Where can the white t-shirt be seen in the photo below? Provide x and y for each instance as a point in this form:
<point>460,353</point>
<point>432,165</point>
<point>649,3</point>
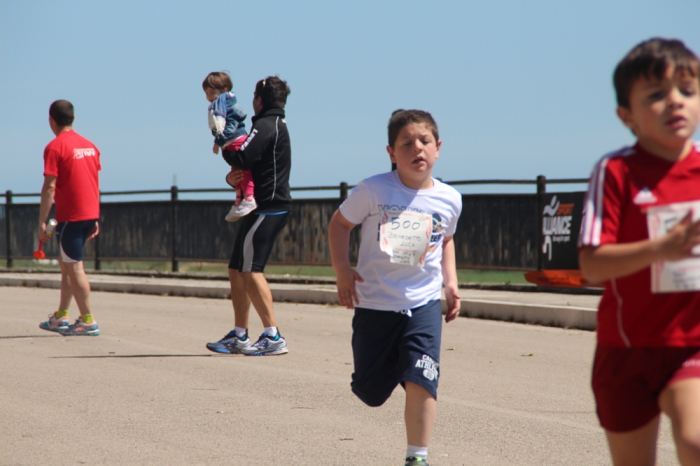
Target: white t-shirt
<point>391,286</point>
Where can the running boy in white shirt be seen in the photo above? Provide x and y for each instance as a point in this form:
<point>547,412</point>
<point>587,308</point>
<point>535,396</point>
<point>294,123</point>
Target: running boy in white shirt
<point>406,255</point>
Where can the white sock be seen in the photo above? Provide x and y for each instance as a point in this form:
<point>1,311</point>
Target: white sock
<point>271,331</point>
<point>416,452</point>
<point>240,332</point>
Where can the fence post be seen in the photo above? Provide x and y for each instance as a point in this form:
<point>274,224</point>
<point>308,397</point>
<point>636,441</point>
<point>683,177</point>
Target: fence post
<point>343,190</point>
<point>98,266</point>
<point>541,190</point>
<point>173,235</point>
<point>8,229</point>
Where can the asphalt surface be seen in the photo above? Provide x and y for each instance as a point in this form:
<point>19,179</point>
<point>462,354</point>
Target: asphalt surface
<point>147,392</point>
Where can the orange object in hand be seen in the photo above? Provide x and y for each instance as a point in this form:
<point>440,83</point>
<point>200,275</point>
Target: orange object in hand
<point>39,254</point>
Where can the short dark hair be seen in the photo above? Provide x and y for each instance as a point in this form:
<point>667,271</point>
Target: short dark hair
<point>652,58</point>
<point>62,112</point>
<point>219,80</point>
<point>401,118</point>
<point>273,91</point>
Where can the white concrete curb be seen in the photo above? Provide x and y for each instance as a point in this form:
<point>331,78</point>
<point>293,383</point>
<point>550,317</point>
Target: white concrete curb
<point>542,314</point>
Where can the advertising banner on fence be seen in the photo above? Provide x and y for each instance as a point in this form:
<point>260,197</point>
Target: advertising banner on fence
<point>561,224</point>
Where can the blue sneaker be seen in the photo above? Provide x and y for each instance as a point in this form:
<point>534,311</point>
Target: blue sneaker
<point>230,344</point>
<point>266,346</point>
<point>54,324</point>
<point>80,328</point>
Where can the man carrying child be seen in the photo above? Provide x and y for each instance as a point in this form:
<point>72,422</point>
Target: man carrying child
<point>267,153</point>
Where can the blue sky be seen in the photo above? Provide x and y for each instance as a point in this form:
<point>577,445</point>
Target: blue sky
<point>518,88</point>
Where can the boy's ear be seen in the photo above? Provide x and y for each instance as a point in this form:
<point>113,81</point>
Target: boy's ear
<point>390,150</point>
<point>625,115</point>
<point>52,124</point>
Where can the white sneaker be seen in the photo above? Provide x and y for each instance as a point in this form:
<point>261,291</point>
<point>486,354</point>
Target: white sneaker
<point>241,210</point>
<point>232,214</point>
<point>266,346</point>
<point>230,344</point>
<point>246,207</point>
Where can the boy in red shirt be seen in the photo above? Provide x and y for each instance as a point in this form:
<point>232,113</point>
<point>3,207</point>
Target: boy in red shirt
<point>71,163</point>
<point>641,237</point>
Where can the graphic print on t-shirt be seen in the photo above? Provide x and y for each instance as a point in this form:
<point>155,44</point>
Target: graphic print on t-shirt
<point>437,233</point>
<point>85,152</point>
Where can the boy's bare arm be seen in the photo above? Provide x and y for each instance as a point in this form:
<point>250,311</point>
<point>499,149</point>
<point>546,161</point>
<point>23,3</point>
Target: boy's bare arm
<point>618,260</point>
<point>449,279</point>
<point>339,238</point>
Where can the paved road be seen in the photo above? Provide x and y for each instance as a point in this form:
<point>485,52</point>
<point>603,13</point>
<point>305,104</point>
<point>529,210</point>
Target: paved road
<point>147,392</point>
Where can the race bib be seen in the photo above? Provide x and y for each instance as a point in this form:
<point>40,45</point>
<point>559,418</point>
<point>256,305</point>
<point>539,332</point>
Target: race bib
<point>676,276</point>
<point>405,236</point>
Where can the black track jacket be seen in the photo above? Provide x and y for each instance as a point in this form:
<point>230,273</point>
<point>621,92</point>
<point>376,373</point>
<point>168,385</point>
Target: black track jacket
<point>268,154</point>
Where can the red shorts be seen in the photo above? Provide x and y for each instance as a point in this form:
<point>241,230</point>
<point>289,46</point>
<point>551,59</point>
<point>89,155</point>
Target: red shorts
<point>627,382</point>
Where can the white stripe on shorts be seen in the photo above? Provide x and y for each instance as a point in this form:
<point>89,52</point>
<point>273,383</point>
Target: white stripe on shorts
<point>248,249</point>
<point>64,257</point>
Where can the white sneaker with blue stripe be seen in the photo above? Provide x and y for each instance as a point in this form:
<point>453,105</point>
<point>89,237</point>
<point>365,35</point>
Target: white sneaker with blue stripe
<point>230,344</point>
<point>267,346</point>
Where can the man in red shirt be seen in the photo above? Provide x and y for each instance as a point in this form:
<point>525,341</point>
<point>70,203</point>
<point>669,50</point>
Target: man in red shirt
<point>71,163</point>
<point>640,236</point>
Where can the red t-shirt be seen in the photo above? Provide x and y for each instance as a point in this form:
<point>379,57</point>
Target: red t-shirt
<point>623,185</point>
<point>74,161</point>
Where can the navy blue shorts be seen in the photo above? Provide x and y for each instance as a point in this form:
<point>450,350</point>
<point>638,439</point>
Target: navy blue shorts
<point>253,244</point>
<point>391,348</point>
<point>72,237</point>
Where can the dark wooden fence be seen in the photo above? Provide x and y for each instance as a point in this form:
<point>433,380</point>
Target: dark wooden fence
<point>495,231</point>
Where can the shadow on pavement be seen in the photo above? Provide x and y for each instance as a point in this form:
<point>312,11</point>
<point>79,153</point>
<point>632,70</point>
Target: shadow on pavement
<point>136,356</point>
<point>18,337</point>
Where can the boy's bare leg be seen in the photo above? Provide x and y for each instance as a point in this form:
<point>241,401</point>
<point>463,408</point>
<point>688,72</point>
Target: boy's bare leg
<point>66,290</point>
<point>239,298</point>
<point>681,402</point>
<point>79,284</point>
<point>261,296</point>
<point>419,414</point>
<point>635,448</point>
